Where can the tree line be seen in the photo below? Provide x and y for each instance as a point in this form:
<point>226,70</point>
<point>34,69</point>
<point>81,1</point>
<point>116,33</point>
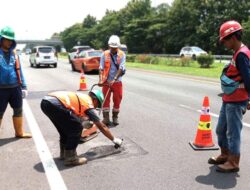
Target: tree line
<point>162,29</point>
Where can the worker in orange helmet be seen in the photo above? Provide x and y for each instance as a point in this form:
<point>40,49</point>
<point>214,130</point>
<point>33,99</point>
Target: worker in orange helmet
<point>235,83</point>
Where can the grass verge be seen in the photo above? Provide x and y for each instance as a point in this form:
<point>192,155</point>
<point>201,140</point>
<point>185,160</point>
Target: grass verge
<point>192,69</point>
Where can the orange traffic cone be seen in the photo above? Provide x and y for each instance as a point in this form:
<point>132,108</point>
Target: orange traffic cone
<point>83,84</point>
<point>204,140</point>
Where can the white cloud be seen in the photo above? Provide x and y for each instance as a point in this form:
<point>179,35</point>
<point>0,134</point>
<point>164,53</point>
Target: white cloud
<point>32,19</point>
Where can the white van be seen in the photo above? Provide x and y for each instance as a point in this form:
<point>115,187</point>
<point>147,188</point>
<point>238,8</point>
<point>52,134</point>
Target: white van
<point>43,56</point>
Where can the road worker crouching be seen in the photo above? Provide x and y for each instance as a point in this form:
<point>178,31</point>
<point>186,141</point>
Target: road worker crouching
<point>67,111</point>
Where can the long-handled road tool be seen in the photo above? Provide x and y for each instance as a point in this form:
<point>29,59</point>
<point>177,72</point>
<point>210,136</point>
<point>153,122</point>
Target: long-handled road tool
<point>90,130</point>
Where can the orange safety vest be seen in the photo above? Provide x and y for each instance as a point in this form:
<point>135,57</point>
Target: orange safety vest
<point>240,94</point>
<point>107,63</point>
<point>76,102</point>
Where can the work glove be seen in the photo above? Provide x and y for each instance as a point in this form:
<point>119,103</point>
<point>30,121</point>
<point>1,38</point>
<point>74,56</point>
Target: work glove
<point>118,142</point>
<point>24,93</point>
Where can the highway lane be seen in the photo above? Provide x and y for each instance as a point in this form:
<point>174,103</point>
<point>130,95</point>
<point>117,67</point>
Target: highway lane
<point>156,127</point>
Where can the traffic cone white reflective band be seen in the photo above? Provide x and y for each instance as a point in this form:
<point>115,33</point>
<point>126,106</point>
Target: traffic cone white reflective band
<point>83,83</point>
<point>203,139</point>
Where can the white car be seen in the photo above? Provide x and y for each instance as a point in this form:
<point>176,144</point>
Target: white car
<point>28,51</point>
<point>76,50</point>
<point>192,51</point>
<point>18,52</point>
<point>43,56</point>
<point>124,48</point>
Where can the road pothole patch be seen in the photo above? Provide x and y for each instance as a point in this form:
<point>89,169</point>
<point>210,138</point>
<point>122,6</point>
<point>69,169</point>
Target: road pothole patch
<point>104,152</point>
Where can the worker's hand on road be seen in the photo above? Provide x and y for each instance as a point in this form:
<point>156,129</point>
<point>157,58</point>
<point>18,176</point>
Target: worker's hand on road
<point>24,93</point>
<point>118,142</point>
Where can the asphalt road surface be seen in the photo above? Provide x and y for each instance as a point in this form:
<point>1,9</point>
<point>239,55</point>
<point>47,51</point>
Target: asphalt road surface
<point>159,116</point>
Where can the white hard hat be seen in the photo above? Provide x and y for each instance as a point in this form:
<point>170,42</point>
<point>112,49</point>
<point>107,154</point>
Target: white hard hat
<point>114,41</point>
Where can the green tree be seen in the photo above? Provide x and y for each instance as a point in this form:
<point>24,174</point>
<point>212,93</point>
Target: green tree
<point>162,29</point>
<point>89,22</point>
<point>181,26</point>
<point>161,11</point>
<point>70,36</point>
<point>197,22</point>
<point>246,34</point>
<point>55,36</point>
<point>135,35</point>
<point>157,29</point>
<point>106,27</point>
<point>213,14</point>
<point>135,19</point>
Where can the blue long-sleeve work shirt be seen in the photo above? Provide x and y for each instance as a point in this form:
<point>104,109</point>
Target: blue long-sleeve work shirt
<point>243,65</point>
<point>113,69</point>
<point>8,75</point>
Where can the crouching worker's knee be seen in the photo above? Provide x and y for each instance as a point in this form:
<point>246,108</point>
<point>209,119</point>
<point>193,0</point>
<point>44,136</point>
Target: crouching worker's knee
<point>1,115</point>
<point>18,112</point>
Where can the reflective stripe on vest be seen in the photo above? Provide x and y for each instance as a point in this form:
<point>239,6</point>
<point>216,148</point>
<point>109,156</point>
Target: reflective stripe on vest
<point>107,63</point>
<point>76,102</point>
<point>241,93</point>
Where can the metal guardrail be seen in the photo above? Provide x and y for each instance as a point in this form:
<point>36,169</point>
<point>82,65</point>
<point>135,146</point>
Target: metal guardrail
<point>40,42</point>
<point>223,57</point>
<point>217,57</point>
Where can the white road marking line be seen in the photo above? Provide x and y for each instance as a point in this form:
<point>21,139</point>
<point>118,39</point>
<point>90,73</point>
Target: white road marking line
<point>212,114</point>
<point>246,124</point>
<point>53,175</point>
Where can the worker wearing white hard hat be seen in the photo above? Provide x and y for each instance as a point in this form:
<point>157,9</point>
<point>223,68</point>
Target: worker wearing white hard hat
<point>112,68</point>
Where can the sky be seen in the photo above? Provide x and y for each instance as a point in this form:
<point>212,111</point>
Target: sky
<point>33,19</point>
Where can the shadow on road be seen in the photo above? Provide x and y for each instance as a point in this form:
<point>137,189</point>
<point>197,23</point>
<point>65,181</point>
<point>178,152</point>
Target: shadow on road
<point>59,163</point>
<point>92,154</point>
<point>39,167</point>
<point>101,152</point>
<point>7,140</point>
<point>218,180</point>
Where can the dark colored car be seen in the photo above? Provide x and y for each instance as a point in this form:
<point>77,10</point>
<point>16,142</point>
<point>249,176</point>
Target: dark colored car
<point>74,52</point>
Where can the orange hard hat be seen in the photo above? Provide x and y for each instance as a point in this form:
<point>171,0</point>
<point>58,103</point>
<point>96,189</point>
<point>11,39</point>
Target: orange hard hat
<point>228,28</point>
